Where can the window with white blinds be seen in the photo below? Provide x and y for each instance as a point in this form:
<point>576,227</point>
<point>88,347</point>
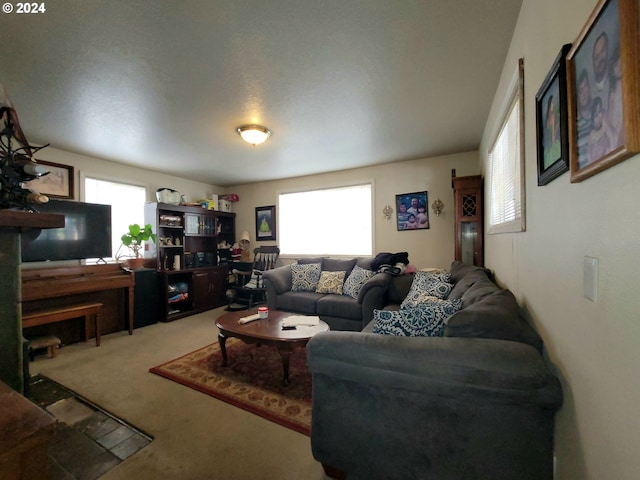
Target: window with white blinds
<point>505,168</point>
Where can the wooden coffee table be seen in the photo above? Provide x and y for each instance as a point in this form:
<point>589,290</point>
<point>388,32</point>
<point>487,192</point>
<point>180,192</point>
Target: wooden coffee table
<point>267,332</point>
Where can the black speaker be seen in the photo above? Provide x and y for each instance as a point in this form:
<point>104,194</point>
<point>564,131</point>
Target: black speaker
<point>189,260</point>
<point>146,299</point>
<point>204,259</point>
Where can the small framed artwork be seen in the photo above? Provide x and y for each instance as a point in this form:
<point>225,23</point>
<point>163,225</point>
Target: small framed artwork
<point>603,72</point>
<point>58,183</point>
<point>552,138</point>
<point>266,223</point>
<point>412,212</point>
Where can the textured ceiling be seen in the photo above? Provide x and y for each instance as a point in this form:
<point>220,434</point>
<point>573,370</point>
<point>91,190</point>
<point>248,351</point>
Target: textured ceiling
<point>341,83</point>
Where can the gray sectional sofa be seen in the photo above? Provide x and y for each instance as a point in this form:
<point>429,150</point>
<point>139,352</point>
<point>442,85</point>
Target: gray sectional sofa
<point>476,403</point>
<point>340,312</point>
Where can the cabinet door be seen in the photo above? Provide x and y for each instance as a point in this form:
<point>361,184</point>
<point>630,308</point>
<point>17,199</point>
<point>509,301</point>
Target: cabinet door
<point>200,224</point>
<point>192,225</point>
<point>209,288</point>
<point>469,220</point>
<point>217,286</point>
<point>201,294</point>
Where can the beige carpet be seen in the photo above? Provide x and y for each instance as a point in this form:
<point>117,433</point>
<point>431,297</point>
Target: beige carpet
<point>195,436</point>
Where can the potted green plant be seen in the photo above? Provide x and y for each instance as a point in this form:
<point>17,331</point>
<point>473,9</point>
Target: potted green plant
<point>133,241</point>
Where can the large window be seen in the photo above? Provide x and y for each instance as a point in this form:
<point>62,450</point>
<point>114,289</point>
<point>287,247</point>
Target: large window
<point>505,166</point>
<point>331,221</point>
<point>127,204</point>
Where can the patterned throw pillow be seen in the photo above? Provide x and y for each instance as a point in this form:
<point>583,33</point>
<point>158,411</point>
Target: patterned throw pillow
<point>356,279</point>
<point>426,320</point>
<point>330,282</point>
<point>427,284</point>
<point>304,278</point>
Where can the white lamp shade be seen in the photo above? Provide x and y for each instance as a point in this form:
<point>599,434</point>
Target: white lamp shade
<point>244,236</point>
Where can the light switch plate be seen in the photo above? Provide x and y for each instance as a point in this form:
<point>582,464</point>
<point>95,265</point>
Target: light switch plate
<point>590,278</point>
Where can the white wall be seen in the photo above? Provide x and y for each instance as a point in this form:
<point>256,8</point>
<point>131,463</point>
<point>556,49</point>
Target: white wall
<point>594,347</point>
<point>427,248</point>
<point>107,170</point>
<point>432,247</point>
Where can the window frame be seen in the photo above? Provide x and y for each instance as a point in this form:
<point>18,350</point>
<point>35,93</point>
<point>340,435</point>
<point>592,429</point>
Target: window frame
<point>513,99</point>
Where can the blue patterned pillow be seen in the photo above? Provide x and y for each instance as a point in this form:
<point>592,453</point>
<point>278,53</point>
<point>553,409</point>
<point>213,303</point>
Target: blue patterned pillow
<point>356,279</point>
<point>427,320</point>
<point>305,278</point>
<point>427,284</point>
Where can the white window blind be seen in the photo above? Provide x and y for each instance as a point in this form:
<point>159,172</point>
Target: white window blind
<point>505,175</point>
<point>330,221</point>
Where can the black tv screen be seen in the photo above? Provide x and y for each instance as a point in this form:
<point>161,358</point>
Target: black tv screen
<point>86,234</point>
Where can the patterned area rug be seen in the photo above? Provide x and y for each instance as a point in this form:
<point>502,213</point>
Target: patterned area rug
<point>252,380</point>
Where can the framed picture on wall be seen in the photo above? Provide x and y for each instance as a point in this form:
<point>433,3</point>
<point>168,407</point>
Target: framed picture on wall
<point>603,73</point>
<point>266,223</point>
<point>58,183</point>
<point>412,212</point>
<point>551,122</point>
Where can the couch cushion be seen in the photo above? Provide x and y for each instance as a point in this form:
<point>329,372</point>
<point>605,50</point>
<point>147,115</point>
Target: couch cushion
<point>301,302</point>
<point>459,270</point>
<point>330,282</point>
<point>399,287</point>
<point>306,260</point>
<point>425,320</point>
<point>478,291</point>
<point>305,277</point>
<point>426,284</point>
<point>464,283</point>
<point>339,306</point>
<point>338,265</point>
<point>364,262</point>
<point>494,316</point>
<point>356,280</point>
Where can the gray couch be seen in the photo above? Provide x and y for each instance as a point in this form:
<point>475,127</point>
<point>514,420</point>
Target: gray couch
<point>478,403</point>
<point>340,312</point>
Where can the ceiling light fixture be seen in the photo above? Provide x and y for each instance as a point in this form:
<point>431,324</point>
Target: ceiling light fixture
<point>254,134</point>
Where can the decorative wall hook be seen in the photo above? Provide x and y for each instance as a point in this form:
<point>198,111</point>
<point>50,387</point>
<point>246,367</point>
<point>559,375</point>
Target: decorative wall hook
<point>387,211</point>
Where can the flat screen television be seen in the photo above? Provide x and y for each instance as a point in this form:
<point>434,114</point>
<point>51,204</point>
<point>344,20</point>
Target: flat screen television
<point>86,234</point>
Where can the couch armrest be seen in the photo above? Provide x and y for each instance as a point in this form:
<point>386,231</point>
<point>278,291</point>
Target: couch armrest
<point>373,295</point>
<point>421,407</point>
<point>276,281</point>
<point>378,280</point>
<point>489,367</point>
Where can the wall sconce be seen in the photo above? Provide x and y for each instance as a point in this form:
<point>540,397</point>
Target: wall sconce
<point>254,134</point>
<point>387,211</point>
<point>437,207</point>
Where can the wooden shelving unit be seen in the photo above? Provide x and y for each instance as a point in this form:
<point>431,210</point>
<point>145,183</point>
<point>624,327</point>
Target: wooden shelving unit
<point>191,277</point>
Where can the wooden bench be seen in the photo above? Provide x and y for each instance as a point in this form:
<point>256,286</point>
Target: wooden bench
<point>50,342</point>
<point>87,310</point>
